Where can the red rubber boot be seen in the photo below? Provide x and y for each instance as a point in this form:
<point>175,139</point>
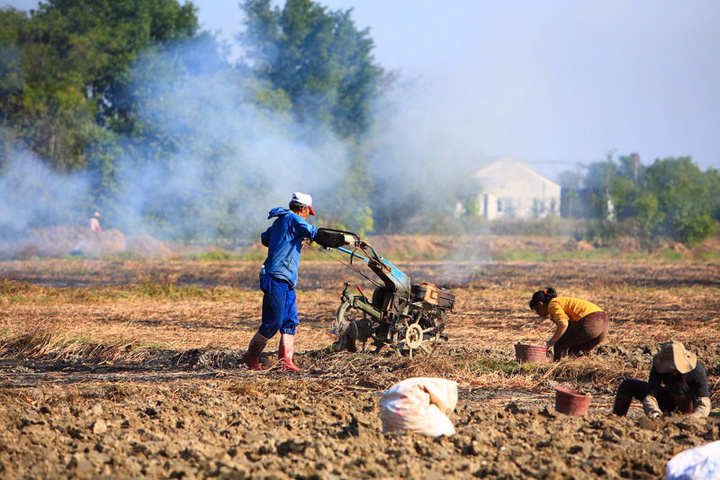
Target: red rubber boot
<point>287,348</point>
<point>252,355</point>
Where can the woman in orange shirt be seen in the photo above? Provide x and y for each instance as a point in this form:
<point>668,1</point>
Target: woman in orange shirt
<point>580,325</point>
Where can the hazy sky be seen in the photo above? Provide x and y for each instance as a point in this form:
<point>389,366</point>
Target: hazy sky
<point>555,83</point>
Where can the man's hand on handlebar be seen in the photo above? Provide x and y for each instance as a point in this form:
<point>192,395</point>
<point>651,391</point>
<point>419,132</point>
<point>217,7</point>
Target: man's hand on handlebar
<point>350,239</point>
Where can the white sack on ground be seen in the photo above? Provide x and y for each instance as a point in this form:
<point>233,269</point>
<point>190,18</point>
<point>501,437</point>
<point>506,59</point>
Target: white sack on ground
<point>701,462</point>
<point>419,405</point>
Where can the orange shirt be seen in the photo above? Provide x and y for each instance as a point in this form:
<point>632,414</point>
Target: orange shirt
<point>568,309</point>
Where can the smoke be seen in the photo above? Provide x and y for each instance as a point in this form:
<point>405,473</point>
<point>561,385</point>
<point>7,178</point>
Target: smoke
<point>225,161</point>
<point>32,195</point>
<point>422,160</point>
<point>209,163</point>
<point>214,157</point>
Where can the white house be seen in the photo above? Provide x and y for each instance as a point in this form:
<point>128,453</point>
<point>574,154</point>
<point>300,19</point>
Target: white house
<point>510,189</point>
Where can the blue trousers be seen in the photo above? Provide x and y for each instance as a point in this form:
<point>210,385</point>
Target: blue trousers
<point>279,307</point>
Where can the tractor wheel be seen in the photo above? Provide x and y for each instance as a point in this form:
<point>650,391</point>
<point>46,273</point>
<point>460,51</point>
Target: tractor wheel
<point>351,326</point>
<point>421,334</point>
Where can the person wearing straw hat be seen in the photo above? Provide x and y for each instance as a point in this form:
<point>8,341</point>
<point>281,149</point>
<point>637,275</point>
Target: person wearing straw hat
<point>580,325</point>
<point>677,383</point>
<point>279,275</point>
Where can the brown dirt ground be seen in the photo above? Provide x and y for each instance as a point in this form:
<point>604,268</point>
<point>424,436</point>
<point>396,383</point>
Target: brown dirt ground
<point>150,386</point>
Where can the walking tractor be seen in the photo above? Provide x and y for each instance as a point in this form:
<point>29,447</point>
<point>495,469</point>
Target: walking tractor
<point>399,315</point>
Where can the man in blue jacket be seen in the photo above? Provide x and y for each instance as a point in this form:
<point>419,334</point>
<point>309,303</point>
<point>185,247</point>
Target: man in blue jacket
<point>279,274</point>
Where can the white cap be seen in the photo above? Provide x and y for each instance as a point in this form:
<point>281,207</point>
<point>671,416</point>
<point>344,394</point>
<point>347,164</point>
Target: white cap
<point>305,199</point>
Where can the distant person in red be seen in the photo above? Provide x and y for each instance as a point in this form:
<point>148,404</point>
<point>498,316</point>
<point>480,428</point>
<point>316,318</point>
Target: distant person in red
<point>95,223</point>
<point>89,240</point>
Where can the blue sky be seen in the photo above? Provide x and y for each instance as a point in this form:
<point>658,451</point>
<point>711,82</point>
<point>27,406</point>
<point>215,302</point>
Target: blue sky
<point>555,83</point>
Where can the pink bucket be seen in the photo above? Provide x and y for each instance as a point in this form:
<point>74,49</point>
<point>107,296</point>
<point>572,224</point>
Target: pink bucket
<point>530,353</point>
<point>571,402</point>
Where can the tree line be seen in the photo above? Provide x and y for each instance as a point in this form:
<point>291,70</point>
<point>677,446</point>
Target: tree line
<point>670,199</point>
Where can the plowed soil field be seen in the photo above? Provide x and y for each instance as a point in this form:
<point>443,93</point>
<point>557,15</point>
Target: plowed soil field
<point>131,369</point>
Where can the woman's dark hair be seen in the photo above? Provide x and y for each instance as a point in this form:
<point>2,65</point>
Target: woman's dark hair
<point>543,296</point>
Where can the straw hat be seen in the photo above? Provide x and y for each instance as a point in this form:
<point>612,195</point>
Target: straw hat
<point>673,356</point>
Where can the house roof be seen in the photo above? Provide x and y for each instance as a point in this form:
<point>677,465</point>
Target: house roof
<point>505,162</point>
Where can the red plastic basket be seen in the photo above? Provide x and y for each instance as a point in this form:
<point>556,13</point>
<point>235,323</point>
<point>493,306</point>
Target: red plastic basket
<point>530,353</point>
<point>571,402</point>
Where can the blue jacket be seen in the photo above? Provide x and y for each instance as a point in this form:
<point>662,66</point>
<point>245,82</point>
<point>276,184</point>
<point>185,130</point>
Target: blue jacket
<point>284,241</point>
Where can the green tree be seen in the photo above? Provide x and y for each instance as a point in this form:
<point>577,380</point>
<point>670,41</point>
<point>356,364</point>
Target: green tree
<point>685,196</point>
<point>672,198</point>
<point>318,57</point>
<point>11,74</point>
<point>636,208</point>
<point>75,56</point>
<point>598,179</point>
<point>630,168</point>
<point>713,178</point>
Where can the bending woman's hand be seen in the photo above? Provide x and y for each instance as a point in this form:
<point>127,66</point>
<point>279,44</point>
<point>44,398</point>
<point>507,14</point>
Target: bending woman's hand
<point>559,331</point>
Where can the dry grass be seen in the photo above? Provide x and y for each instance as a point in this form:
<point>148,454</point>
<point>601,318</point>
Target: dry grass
<point>201,315</point>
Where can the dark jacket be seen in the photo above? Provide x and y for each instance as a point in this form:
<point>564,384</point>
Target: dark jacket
<point>685,390</point>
